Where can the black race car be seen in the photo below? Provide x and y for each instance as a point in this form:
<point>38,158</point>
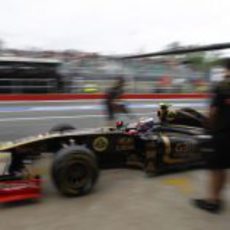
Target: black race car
<point>79,155</point>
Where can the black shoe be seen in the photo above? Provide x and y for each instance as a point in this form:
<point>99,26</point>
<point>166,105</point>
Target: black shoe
<point>208,206</point>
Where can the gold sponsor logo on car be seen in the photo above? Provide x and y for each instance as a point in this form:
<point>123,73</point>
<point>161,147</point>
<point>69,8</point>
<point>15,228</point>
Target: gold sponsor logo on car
<point>100,144</point>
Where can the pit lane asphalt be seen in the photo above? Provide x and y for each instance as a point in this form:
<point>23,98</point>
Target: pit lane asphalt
<point>24,119</point>
<point>122,199</point>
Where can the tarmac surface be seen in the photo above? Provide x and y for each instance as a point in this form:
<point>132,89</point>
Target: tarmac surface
<point>24,119</point>
<point>122,199</point>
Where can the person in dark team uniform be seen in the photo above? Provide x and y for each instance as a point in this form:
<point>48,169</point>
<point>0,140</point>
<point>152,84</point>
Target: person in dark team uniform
<point>113,102</point>
<point>219,161</point>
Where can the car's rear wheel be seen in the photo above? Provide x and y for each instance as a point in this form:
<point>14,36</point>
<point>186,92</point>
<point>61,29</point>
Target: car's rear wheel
<point>75,171</point>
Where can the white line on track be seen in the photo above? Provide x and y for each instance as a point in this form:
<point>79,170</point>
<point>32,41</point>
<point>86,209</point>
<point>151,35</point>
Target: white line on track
<point>47,118</point>
<point>15,119</point>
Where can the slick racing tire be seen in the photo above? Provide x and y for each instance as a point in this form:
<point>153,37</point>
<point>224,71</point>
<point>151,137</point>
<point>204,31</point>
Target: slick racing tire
<point>75,171</point>
<point>62,128</point>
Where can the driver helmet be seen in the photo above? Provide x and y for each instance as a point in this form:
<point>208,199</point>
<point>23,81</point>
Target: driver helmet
<point>171,115</point>
<point>164,106</point>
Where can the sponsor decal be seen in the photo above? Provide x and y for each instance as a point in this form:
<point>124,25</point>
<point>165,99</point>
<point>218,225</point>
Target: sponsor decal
<point>100,144</point>
<point>125,143</point>
<point>167,158</point>
<point>181,147</point>
<point>17,186</point>
<point>184,150</point>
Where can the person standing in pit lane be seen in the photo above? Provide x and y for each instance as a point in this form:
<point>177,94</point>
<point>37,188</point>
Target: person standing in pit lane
<point>113,101</point>
<point>219,161</point>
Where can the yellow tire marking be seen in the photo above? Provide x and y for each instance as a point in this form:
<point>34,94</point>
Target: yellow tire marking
<point>183,184</point>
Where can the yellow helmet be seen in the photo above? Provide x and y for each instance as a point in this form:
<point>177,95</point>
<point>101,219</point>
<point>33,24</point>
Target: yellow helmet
<point>171,115</point>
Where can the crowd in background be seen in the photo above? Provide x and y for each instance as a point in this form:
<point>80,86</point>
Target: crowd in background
<point>79,72</point>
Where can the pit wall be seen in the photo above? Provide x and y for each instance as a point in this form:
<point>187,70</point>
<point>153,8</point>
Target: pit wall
<point>69,97</point>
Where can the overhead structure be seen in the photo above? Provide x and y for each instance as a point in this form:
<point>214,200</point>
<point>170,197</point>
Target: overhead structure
<point>182,50</point>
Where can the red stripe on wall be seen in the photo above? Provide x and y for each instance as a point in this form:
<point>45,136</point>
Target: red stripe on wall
<point>53,97</point>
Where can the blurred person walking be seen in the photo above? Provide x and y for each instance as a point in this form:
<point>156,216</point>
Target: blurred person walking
<point>219,161</point>
<point>113,102</point>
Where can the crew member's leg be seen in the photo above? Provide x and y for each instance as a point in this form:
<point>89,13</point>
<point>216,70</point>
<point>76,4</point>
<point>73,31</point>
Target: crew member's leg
<point>123,108</point>
<point>217,182</point>
<point>111,116</point>
<point>218,163</point>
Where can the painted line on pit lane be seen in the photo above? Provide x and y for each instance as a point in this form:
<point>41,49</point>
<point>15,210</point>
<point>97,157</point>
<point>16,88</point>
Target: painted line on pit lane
<point>51,118</point>
<point>17,109</point>
<point>99,107</point>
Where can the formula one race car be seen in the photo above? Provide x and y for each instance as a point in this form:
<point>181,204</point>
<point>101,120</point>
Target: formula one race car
<point>78,156</point>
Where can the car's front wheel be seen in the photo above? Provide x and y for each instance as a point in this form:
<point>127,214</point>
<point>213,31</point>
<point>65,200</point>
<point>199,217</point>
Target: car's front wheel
<point>75,171</point>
